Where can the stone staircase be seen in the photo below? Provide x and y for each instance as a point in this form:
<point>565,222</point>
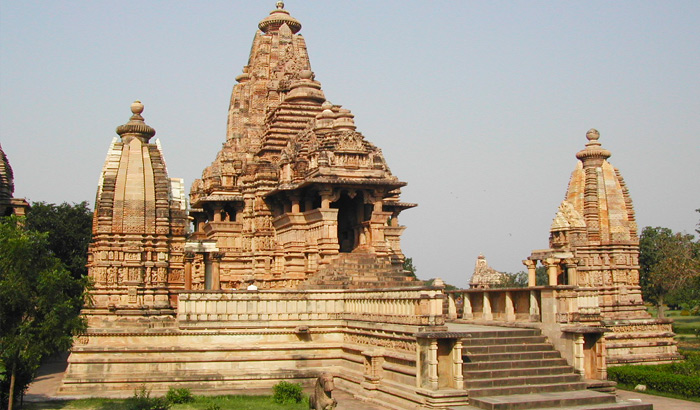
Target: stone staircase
<point>510,369</point>
<point>359,270</point>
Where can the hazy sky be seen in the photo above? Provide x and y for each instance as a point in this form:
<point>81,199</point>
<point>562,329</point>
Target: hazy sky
<point>479,106</point>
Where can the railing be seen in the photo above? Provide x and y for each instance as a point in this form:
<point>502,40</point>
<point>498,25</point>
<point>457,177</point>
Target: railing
<point>421,306</point>
<point>561,304</point>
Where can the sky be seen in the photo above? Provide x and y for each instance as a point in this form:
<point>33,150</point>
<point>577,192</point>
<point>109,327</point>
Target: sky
<point>479,106</point>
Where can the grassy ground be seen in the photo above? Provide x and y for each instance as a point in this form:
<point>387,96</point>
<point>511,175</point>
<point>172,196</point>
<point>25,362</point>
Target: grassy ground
<point>658,393</point>
<point>237,402</point>
<point>684,327</point>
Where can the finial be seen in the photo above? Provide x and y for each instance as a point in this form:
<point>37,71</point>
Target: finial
<point>593,134</point>
<point>280,5</point>
<point>136,127</point>
<point>137,107</point>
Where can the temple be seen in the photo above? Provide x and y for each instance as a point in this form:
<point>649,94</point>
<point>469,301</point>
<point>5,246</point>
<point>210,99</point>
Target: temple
<point>594,247</point>
<point>8,204</point>
<point>136,256</point>
<point>293,268</point>
<point>296,190</point>
<point>484,276</point>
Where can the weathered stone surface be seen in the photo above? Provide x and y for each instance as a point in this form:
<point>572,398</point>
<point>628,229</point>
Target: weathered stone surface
<point>484,276</point>
<point>594,246</point>
<point>295,186</point>
<point>136,257</point>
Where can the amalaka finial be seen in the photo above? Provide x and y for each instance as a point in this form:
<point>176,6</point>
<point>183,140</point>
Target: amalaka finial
<point>593,154</point>
<point>136,127</point>
<point>280,5</point>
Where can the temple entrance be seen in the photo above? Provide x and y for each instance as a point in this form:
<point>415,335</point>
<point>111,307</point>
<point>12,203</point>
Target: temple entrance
<point>351,215</point>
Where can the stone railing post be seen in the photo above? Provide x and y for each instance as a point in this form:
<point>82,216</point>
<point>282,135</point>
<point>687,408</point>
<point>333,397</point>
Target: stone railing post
<point>467,312</point>
<point>510,309</point>
<point>451,306</point>
<point>535,314</point>
<point>487,314</point>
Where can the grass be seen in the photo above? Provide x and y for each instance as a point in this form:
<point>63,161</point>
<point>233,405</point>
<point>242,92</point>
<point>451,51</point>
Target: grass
<point>652,392</point>
<point>233,402</point>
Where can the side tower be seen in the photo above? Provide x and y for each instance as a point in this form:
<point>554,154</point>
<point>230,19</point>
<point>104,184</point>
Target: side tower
<point>295,188</point>
<point>139,227</point>
<point>594,247</point>
<point>8,204</point>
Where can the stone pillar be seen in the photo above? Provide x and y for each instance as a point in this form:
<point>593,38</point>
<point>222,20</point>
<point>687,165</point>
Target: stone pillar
<point>189,258</point>
<point>215,270</point>
<point>296,208</point>
<point>535,314</point>
<point>579,356</point>
<point>433,364</point>
<point>326,197</point>
<point>571,272</point>
<point>531,272</point>
<point>467,312</point>
<point>510,309</point>
<point>451,306</point>
<point>487,315</point>
<point>458,364</point>
<point>552,270</point>
<point>217,213</point>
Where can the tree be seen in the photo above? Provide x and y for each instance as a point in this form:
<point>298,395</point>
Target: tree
<point>69,228</point>
<point>668,262</point>
<point>409,267</point>
<point>512,280</point>
<point>40,303</point>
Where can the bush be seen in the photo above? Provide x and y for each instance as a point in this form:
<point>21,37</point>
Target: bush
<point>213,406</point>
<point>179,396</point>
<point>141,400</point>
<point>658,378</point>
<point>287,393</point>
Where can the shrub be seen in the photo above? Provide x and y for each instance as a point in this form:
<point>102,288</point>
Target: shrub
<point>179,396</point>
<point>141,400</point>
<point>658,378</point>
<point>287,393</point>
<point>212,406</point>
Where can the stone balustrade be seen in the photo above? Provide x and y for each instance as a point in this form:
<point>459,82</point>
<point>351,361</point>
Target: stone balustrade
<point>422,306</point>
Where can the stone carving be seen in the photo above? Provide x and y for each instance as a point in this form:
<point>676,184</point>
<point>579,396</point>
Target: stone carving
<point>291,147</point>
<point>321,398</point>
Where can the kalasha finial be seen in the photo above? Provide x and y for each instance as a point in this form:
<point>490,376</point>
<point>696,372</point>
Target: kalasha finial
<point>593,134</point>
<point>280,5</point>
<point>136,127</point>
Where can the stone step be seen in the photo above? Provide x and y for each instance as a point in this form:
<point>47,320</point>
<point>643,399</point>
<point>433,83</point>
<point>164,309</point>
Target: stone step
<point>478,340</point>
<point>502,336</point>
<point>531,347</point>
<point>557,400</point>
<point>511,364</point>
<point>511,356</point>
<point>522,380</point>
<point>525,371</point>
<point>601,406</point>
<point>527,389</point>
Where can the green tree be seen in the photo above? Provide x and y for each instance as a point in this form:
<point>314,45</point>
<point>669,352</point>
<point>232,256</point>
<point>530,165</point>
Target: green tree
<point>409,267</point>
<point>69,227</point>
<point>40,303</point>
<point>668,262</point>
<point>512,280</point>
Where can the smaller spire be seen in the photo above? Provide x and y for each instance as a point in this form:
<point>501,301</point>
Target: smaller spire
<point>136,127</point>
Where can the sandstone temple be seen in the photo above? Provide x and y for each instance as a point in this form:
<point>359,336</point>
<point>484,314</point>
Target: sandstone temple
<point>286,263</point>
<point>8,204</point>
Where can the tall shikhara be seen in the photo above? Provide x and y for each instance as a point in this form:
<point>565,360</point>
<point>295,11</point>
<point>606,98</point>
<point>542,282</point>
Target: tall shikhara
<point>296,191</point>
<point>139,227</point>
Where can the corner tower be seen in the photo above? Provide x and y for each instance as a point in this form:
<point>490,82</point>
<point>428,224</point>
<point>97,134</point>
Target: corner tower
<point>594,249</point>
<point>295,187</point>
<point>139,226</point>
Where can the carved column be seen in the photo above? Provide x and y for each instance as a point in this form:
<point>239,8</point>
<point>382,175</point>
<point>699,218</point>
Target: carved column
<point>535,314</point>
<point>433,364</point>
<point>552,271</point>
<point>531,272</point>
<point>215,270</point>
<point>189,258</point>
<point>579,357</point>
<point>458,364</point>
<point>571,272</point>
